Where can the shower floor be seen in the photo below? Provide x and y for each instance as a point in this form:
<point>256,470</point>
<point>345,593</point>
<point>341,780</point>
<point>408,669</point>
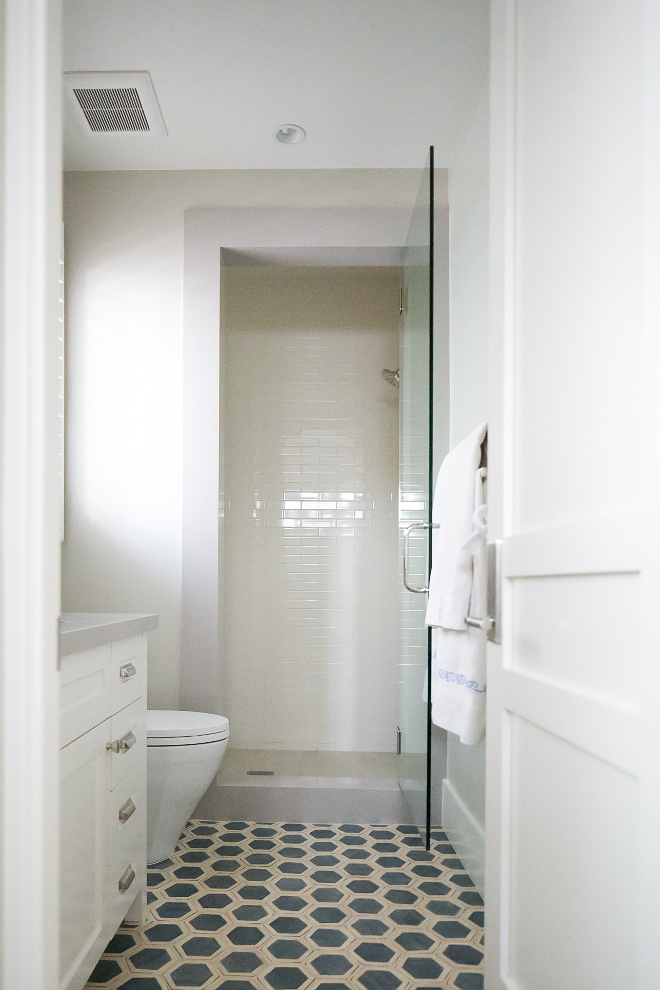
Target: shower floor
<point>255,906</point>
<point>315,785</point>
<point>320,766</point>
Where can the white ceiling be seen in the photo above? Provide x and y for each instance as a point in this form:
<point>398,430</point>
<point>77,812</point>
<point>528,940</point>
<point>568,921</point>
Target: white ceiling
<point>373,82</point>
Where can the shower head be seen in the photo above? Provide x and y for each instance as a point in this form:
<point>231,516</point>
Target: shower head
<point>391,377</point>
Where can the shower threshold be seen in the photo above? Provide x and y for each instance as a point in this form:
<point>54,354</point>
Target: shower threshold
<point>314,785</point>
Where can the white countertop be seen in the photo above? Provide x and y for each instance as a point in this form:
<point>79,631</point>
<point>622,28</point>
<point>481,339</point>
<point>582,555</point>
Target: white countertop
<point>83,630</point>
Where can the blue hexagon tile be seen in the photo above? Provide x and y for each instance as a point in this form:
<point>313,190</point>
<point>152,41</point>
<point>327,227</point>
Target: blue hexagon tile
<point>261,906</point>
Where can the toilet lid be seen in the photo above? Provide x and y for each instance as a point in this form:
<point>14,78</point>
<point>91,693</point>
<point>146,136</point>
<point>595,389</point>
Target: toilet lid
<point>169,725</point>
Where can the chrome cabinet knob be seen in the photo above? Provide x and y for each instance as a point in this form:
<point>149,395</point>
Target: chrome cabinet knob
<point>124,744</point>
<point>127,670</point>
<point>126,810</point>
<point>126,879</point>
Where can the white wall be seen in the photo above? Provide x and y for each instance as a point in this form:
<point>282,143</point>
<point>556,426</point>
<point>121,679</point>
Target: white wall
<point>468,275</point>
<point>311,530</point>
<point>124,268</point>
<point>468,362</point>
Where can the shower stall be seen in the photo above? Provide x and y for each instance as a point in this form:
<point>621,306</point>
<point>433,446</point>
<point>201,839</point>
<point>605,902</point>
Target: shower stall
<point>310,525</point>
<point>323,459</point>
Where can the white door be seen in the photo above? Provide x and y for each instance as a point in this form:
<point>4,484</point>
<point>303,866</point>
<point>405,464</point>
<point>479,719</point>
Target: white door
<point>573,831</point>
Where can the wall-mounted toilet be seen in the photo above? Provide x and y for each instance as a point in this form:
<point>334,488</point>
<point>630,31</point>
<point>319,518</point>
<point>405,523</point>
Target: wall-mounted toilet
<point>184,751</point>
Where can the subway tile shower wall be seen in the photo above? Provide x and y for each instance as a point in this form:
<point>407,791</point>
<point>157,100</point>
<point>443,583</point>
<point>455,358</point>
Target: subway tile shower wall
<point>310,511</point>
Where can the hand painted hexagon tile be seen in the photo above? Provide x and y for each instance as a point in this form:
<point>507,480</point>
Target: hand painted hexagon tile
<point>263,906</point>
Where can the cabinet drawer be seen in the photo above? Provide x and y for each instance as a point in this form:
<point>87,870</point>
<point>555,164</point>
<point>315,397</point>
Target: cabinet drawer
<point>127,811</point>
<point>131,868</point>
<point>129,740</point>
<point>85,691</point>
<point>129,669</point>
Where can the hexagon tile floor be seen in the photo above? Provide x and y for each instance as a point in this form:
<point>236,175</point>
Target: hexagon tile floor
<point>245,906</point>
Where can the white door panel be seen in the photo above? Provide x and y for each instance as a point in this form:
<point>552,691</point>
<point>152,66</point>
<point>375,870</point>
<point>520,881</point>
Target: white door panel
<point>578,168</point>
<point>608,731</point>
<point>575,629</point>
<point>573,688</point>
<point>576,931</point>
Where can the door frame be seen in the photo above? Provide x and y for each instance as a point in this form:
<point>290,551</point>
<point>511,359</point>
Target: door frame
<point>29,491</point>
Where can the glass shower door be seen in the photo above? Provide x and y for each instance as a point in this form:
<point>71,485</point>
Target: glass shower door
<point>415,488</point>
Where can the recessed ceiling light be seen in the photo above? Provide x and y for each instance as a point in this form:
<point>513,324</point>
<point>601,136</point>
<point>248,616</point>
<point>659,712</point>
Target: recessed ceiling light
<point>290,134</point>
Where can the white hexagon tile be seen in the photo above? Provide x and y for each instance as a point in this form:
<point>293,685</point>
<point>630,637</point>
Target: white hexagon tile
<point>261,906</point>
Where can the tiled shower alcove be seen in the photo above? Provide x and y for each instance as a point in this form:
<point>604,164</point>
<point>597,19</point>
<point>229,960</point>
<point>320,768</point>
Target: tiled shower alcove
<point>261,906</point>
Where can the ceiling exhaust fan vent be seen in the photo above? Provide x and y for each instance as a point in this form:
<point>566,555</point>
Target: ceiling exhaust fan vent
<point>113,109</point>
<point>113,103</point>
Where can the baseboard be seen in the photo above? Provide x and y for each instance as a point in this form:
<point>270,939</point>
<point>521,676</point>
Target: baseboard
<point>465,834</point>
<point>372,805</point>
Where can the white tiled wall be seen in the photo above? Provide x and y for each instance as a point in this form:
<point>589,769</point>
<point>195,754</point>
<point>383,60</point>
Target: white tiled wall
<point>311,539</point>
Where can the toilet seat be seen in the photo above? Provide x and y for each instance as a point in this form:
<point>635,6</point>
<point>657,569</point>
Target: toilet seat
<point>167,728</point>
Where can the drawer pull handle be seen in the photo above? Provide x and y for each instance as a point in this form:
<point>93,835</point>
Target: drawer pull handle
<point>124,744</point>
<point>127,670</point>
<point>126,879</point>
<point>126,810</point>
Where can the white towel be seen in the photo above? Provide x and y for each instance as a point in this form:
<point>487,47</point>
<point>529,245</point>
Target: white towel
<point>450,585</point>
<point>458,653</point>
<point>458,659</point>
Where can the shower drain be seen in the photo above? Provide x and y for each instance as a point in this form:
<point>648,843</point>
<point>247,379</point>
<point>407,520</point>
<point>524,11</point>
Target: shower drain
<point>261,773</point>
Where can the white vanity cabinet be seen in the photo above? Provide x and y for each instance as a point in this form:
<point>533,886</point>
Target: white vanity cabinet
<point>102,794</point>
